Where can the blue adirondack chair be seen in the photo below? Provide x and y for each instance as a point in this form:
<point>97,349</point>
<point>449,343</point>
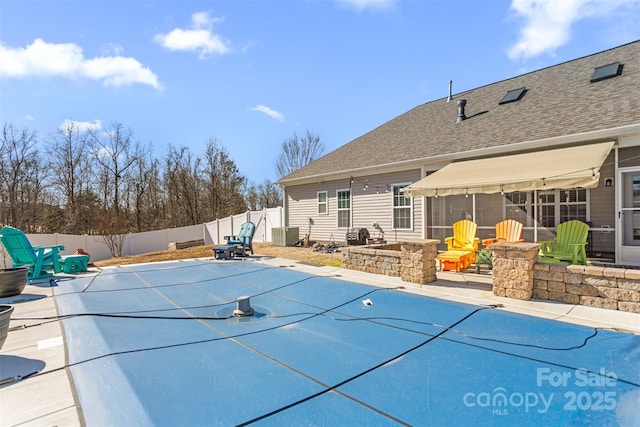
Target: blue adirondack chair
<point>41,260</point>
<point>237,245</point>
<point>244,239</point>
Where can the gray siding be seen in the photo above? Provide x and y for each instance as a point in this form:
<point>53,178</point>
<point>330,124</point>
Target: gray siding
<point>370,205</point>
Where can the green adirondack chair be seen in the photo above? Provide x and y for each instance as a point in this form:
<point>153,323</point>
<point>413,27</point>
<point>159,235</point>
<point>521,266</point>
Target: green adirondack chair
<point>41,260</point>
<point>569,246</point>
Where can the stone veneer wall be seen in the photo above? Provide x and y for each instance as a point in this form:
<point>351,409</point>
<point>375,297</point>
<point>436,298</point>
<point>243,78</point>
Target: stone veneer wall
<point>603,287</point>
<point>513,269</point>
<point>412,261</point>
<point>516,274</point>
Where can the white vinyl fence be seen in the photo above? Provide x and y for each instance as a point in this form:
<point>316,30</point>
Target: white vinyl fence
<point>153,241</point>
<point>215,231</point>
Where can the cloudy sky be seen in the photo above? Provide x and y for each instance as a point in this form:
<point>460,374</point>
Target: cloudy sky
<point>251,73</point>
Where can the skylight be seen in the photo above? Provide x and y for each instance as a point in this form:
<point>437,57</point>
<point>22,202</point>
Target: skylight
<point>513,96</point>
<point>606,72</point>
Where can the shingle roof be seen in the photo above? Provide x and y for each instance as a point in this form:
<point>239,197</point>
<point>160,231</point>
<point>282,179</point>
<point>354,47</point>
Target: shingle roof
<point>560,100</point>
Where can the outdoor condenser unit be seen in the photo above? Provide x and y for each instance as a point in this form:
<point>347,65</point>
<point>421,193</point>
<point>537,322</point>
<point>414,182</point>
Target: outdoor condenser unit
<point>285,236</point>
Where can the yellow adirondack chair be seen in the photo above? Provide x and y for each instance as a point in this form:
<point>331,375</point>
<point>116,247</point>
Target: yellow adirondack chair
<point>464,238</point>
<point>508,230</point>
<point>569,246</point>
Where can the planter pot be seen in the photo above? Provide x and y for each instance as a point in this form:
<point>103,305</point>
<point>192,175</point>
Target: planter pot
<point>5,318</point>
<point>12,281</point>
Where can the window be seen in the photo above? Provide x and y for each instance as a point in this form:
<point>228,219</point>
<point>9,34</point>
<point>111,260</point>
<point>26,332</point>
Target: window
<point>402,209</point>
<point>573,204</point>
<point>516,206</point>
<point>344,208</point>
<point>323,205</point>
<point>557,206</point>
<point>546,208</point>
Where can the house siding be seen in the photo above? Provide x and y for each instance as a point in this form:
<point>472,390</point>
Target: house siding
<point>373,204</point>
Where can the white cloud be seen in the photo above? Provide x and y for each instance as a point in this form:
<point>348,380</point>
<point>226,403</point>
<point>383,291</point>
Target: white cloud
<point>81,126</point>
<point>199,38</point>
<point>29,117</point>
<point>269,112</point>
<point>548,22</point>
<point>367,4</point>
<point>67,60</point>
<point>119,71</point>
<point>112,49</point>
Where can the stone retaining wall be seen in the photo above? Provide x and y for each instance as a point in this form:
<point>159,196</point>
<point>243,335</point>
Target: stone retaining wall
<point>603,287</point>
<point>412,261</point>
<point>513,269</point>
<point>516,274</point>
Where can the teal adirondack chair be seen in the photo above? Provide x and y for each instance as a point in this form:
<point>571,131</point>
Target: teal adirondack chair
<point>41,260</point>
<point>244,239</point>
<point>569,246</point>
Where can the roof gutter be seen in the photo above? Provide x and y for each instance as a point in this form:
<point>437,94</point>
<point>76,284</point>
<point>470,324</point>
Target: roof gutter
<point>593,136</point>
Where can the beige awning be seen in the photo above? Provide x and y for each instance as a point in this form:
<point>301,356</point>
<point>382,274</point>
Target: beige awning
<point>560,168</point>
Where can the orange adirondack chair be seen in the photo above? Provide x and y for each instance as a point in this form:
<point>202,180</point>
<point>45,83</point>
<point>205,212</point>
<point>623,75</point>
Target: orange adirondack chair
<point>464,238</point>
<point>508,230</point>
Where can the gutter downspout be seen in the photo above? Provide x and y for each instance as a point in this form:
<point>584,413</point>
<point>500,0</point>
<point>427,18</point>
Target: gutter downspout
<point>283,219</point>
<point>618,197</point>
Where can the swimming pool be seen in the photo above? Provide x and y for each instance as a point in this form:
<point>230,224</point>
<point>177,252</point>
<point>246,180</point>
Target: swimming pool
<point>158,344</point>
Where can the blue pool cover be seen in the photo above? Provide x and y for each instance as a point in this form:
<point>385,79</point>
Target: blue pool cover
<point>158,344</point>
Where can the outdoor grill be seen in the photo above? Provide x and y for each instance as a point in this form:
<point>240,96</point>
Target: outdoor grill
<point>357,236</point>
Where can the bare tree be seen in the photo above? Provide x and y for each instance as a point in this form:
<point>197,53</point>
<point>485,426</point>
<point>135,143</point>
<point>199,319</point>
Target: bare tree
<point>21,177</point>
<point>263,196</point>
<point>183,186</point>
<point>115,154</point>
<point>223,182</point>
<point>70,163</point>
<point>148,200</point>
<point>298,152</point>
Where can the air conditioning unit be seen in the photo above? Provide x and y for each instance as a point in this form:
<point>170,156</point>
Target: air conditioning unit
<point>285,236</point>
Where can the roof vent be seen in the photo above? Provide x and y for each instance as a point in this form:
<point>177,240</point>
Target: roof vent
<point>449,98</point>
<point>461,105</point>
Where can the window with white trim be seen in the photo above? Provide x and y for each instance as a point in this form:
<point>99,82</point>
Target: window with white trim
<point>402,209</point>
<point>343,198</point>
<point>517,206</point>
<point>573,204</point>
<point>558,206</point>
<point>323,204</point>
<point>547,208</point>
